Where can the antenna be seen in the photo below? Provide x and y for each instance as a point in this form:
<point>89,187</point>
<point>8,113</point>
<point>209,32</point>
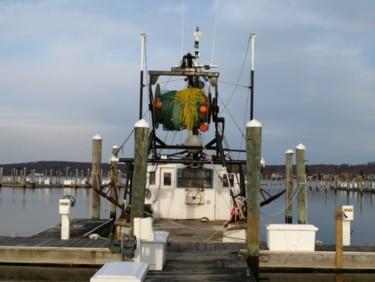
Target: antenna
<point>141,85</point>
<point>197,35</point>
<point>252,37</point>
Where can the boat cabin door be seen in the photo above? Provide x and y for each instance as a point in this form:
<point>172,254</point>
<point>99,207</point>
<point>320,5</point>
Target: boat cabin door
<point>167,182</point>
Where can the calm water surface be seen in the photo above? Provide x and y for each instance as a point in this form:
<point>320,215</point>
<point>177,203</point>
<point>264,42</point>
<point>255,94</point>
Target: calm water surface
<point>24,212</point>
<point>321,207</point>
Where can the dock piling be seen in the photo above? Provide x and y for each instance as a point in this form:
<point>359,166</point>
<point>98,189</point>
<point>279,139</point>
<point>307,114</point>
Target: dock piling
<point>301,184</point>
<point>339,238</point>
<point>96,175</point>
<point>289,187</point>
<point>253,159</point>
<point>141,137</point>
<point>114,191</point>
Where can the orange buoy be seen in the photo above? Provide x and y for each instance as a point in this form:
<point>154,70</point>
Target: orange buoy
<point>158,104</point>
<point>203,127</point>
<point>203,110</point>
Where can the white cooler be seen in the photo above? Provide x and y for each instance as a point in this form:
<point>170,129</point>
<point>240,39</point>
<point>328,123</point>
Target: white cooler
<point>291,237</point>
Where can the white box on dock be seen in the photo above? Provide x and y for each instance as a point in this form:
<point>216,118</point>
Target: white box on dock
<point>151,245</point>
<point>64,206</point>
<point>291,237</point>
<point>121,271</point>
<point>155,252</point>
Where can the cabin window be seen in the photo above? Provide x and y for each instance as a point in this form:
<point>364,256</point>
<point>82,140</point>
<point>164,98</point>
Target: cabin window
<point>194,178</point>
<point>152,178</point>
<point>167,179</point>
<point>225,180</point>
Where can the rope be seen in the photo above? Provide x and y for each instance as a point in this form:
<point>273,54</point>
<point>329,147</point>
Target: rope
<point>126,140</point>
<point>221,178</point>
<point>290,201</point>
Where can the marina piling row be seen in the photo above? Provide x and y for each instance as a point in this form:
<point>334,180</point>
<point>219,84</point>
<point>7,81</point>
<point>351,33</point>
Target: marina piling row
<point>57,179</point>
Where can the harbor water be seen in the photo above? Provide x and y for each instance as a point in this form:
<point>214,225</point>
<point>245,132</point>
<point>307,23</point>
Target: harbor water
<point>27,211</point>
<point>24,212</point>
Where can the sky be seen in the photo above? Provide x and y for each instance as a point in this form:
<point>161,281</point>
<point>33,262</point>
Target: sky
<point>70,69</point>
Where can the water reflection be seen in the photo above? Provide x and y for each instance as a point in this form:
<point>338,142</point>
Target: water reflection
<point>24,212</point>
<point>321,205</point>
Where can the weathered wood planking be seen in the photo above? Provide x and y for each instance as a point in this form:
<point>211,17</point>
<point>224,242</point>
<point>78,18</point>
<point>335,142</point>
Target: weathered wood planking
<point>47,247</point>
<point>202,261</point>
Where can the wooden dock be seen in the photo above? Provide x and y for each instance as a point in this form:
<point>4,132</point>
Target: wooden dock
<point>47,247</point>
<point>194,252</point>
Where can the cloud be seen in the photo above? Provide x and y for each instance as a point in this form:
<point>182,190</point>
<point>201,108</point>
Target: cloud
<point>70,69</point>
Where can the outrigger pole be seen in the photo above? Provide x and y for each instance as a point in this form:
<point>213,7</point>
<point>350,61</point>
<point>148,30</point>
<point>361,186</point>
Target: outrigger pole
<point>143,39</point>
<point>252,37</point>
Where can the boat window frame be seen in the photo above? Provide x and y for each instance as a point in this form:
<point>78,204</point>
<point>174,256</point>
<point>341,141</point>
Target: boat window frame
<point>152,178</point>
<point>225,180</point>
<point>167,178</point>
<point>188,177</point>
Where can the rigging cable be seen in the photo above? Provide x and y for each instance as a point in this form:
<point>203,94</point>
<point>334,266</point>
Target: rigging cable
<point>239,77</point>
<point>132,132</point>
<point>234,90</point>
<point>244,122</point>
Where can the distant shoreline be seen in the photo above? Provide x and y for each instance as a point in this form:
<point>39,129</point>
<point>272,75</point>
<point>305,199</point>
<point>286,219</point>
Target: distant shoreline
<point>315,169</point>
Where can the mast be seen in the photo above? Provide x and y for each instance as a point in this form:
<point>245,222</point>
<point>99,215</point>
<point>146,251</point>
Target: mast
<point>141,85</point>
<point>197,35</point>
<point>252,37</point>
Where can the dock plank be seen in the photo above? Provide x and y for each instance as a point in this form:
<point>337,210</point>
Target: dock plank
<point>202,262</point>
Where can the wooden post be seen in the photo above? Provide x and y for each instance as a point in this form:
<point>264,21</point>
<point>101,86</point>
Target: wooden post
<point>253,159</point>
<point>76,178</point>
<point>24,176</point>
<point>347,183</point>
<point>301,184</point>
<point>96,176</point>
<point>141,136</point>
<point>289,187</point>
<point>1,176</point>
<point>32,176</point>
<point>339,238</point>
<point>114,190</point>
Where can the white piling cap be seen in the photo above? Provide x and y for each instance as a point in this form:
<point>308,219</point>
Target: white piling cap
<point>114,147</point>
<point>290,151</point>
<point>253,123</point>
<point>300,146</point>
<point>142,123</point>
<point>97,137</point>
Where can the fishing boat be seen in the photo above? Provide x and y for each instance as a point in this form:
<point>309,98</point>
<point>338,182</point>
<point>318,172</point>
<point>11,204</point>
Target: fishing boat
<point>197,176</point>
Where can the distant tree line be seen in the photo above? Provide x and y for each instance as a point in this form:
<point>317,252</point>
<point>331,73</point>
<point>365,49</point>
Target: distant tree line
<point>315,169</point>
<point>42,166</point>
<point>324,169</point>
